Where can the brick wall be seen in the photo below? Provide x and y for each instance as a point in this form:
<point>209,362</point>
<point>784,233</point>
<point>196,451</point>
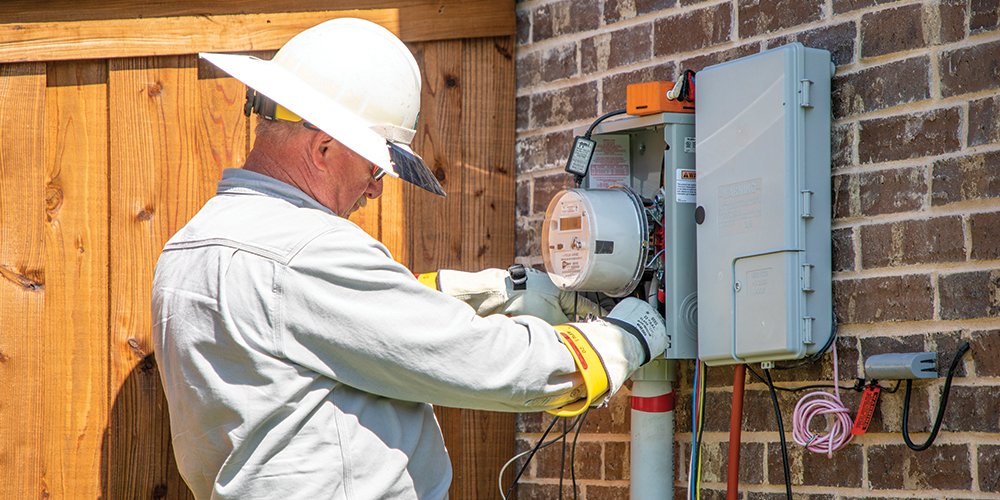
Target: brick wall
<point>916,239</point>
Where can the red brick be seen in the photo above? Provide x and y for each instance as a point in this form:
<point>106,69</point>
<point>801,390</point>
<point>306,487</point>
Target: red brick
<point>970,69</point>
<point>546,66</point>
<point>889,298</point>
<point>751,463</point>
<point>529,153</point>
<point>620,10</point>
<point>892,30</point>
<point>533,422</point>
<point>984,121</point>
<point>522,106</point>
<point>843,249</point>
<point>615,418</point>
<point>881,87</point>
<point>614,86</point>
<point>941,467</point>
<point>952,14</point>
<point>946,344</point>
<point>989,464</point>
<point>588,459</point>
<point>838,39</point>
<point>973,409</point>
<point>966,178</point>
<point>876,193</point>
<point>844,469</point>
<point>760,17</point>
<point>984,228</point>
<point>527,239</point>
<point>616,460</point>
<point>841,6</point>
<point>848,359</point>
<point>753,495</point>
<point>985,350</point>
<point>528,491</point>
<point>758,408</point>
<point>603,492</point>
<point>617,48</point>
<point>913,242</point>
<point>842,146</point>
<point>970,295</point>
<point>701,62</point>
<point>563,18</point>
<point>692,30</point>
<point>984,15</point>
<point>909,136</point>
<point>566,105</point>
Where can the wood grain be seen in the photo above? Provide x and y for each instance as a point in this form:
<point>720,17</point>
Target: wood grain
<point>423,20</point>
<point>434,223</point>
<point>160,177</point>
<point>488,138</point>
<point>76,304</point>
<point>62,30</point>
<point>22,280</point>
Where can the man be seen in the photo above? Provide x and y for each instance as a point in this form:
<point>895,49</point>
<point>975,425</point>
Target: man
<point>297,357</point>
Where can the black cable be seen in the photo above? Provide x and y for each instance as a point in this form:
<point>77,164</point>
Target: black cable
<point>562,461</point>
<point>696,439</point>
<point>590,130</point>
<point>537,447</point>
<point>941,407</point>
<point>859,385</point>
<point>572,456</point>
<point>781,433</point>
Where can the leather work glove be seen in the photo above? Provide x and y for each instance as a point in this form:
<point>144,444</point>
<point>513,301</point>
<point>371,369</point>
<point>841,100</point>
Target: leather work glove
<point>497,291</point>
<point>608,350</point>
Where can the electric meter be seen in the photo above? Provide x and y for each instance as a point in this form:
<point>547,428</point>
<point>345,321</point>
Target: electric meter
<point>596,240</point>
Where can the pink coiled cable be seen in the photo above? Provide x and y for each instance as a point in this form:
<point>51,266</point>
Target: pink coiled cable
<point>839,433</point>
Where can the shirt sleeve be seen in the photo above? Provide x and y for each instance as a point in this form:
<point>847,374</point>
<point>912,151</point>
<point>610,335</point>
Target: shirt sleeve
<point>351,313</point>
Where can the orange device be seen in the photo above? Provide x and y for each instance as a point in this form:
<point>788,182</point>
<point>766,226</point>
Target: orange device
<point>651,97</point>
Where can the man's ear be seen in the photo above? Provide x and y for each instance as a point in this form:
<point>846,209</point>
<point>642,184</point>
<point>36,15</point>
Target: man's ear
<point>322,149</point>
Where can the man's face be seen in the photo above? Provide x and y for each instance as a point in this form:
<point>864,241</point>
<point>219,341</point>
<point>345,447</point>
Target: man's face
<point>350,183</point>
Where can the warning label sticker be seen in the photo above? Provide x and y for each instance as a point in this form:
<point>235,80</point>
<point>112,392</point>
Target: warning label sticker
<point>610,164</point>
<point>686,190</point>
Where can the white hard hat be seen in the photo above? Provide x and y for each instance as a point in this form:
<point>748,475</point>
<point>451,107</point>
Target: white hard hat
<point>352,79</point>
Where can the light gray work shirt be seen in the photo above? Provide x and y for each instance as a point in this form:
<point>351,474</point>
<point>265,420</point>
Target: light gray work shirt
<point>299,359</point>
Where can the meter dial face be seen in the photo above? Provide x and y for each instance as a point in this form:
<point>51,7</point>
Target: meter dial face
<point>565,239</point>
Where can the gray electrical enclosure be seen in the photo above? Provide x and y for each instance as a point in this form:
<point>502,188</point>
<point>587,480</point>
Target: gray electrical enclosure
<point>647,153</point>
<point>763,196</point>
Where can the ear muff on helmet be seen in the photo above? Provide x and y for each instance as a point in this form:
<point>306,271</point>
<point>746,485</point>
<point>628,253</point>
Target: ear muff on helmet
<point>266,108</point>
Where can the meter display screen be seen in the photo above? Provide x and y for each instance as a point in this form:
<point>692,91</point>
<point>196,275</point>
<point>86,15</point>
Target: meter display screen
<point>570,223</point>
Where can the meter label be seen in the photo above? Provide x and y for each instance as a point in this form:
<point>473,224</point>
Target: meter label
<point>686,190</point>
<point>690,144</point>
<point>569,264</point>
<point>610,165</point>
<point>740,207</point>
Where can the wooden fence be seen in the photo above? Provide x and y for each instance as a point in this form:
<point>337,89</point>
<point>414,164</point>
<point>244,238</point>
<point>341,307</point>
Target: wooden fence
<point>109,143</point>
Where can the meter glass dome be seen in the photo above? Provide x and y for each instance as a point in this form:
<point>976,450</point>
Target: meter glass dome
<point>595,240</point>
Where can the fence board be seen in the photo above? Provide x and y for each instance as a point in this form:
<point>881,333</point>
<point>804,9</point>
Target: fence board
<point>486,219</point>
<point>160,178</point>
<point>434,223</point>
<point>22,279</point>
<point>422,20</point>
<point>75,379</point>
<point>488,136</point>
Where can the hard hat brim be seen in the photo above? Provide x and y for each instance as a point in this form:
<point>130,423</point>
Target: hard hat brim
<point>281,86</point>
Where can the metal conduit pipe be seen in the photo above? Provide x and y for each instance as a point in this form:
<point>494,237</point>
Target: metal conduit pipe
<point>652,440</point>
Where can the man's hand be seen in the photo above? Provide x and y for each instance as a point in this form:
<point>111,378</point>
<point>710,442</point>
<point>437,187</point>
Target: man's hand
<point>494,291</point>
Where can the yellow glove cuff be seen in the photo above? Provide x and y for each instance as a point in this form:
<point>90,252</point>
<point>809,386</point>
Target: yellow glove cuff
<point>595,376</point>
<point>429,279</point>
